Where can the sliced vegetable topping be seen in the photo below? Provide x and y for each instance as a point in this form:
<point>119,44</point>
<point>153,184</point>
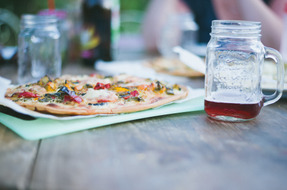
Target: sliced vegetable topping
<point>102,86</point>
<point>77,99</point>
<point>134,93</point>
<point>176,86</point>
<point>70,95</point>
<point>67,98</point>
<point>88,86</point>
<point>97,104</point>
<point>121,89</point>
<point>27,95</point>
<point>50,86</point>
<point>68,84</point>
<point>159,87</point>
<point>44,80</point>
<point>103,101</point>
<point>74,98</point>
<point>169,91</point>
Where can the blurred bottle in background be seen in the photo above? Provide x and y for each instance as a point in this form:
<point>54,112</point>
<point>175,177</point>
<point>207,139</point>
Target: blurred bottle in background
<point>100,30</point>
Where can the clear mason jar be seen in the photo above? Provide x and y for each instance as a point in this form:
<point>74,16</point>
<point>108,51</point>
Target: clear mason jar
<point>39,52</point>
<point>234,60</point>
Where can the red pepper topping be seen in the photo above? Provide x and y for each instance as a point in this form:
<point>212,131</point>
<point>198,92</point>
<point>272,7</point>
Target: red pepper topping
<point>67,98</point>
<point>132,94</point>
<point>108,85</point>
<point>77,99</point>
<point>27,95</point>
<point>74,98</point>
<point>99,86</point>
<point>102,101</point>
<point>70,95</point>
<point>102,86</point>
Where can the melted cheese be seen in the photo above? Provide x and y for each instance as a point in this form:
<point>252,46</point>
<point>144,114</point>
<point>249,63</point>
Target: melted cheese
<point>95,95</point>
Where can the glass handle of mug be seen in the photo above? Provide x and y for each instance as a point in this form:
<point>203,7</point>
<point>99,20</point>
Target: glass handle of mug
<point>275,55</point>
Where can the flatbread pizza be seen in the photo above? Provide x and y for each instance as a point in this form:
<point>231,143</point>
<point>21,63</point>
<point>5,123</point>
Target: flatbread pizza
<point>172,66</point>
<point>94,94</point>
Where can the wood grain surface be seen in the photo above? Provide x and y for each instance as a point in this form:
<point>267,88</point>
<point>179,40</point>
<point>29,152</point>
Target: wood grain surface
<point>175,152</point>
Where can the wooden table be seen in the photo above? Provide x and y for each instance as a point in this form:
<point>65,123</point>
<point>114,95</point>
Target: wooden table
<point>174,152</point>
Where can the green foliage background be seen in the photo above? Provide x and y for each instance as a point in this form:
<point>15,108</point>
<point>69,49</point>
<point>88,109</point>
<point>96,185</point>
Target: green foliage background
<point>20,7</point>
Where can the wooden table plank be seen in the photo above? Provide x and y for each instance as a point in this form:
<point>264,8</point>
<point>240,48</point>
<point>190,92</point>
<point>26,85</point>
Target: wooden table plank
<point>16,160</point>
<point>182,151</point>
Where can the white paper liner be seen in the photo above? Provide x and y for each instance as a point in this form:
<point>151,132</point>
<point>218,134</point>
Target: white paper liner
<point>5,83</point>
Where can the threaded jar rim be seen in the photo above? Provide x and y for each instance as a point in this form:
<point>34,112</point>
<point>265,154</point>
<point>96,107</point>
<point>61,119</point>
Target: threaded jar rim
<point>236,28</point>
<point>30,19</point>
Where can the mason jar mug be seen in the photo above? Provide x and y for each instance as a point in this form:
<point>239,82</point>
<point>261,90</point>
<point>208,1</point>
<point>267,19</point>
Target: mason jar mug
<point>234,60</point>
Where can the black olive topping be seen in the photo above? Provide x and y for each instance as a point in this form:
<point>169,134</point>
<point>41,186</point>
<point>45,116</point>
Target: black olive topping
<point>137,99</point>
<point>51,96</point>
<point>88,86</point>
<point>158,86</point>
<point>124,94</point>
<point>176,86</point>
<point>120,82</point>
<point>43,100</point>
<point>97,104</point>
<point>65,90</point>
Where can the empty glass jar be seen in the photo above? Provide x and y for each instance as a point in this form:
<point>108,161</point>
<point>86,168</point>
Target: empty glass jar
<point>39,52</point>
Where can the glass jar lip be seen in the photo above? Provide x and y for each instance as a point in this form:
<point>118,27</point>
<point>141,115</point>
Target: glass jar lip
<point>236,28</point>
<point>30,19</point>
<point>236,24</point>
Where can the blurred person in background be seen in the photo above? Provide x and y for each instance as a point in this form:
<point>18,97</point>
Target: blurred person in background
<point>268,12</point>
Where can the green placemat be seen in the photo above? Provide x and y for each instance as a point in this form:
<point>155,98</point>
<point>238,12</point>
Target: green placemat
<point>42,128</point>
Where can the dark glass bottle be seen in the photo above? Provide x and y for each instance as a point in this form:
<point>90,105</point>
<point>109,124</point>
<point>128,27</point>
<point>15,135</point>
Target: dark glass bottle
<point>96,31</point>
